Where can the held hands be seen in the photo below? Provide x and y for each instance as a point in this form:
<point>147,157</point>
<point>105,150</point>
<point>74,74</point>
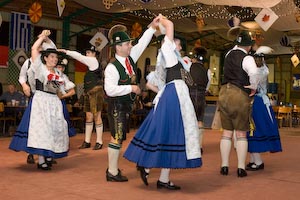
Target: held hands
<point>62,50</point>
<point>45,33</point>
<point>135,89</point>
<point>253,91</point>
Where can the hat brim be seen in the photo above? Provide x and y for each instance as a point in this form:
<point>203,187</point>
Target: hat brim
<point>122,41</point>
<point>51,51</point>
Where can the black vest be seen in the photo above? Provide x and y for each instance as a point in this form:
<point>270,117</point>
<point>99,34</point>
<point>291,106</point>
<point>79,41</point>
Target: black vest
<point>199,75</point>
<point>92,79</point>
<point>174,73</point>
<point>233,71</point>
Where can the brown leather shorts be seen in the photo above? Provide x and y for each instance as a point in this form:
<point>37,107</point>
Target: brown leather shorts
<point>235,108</point>
<point>93,100</point>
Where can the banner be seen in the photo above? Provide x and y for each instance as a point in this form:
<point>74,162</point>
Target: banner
<point>20,31</point>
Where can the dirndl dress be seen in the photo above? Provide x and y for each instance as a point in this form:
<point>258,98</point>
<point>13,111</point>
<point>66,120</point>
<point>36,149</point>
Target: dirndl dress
<point>19,139</point>
<point>265,137</point>
<point>160,141</point>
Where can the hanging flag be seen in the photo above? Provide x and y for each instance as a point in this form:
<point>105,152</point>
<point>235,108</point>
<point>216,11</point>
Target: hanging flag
<point>60,6</point>
<point>266,18</point>
<point>99,41</point>
<point>20,31</point>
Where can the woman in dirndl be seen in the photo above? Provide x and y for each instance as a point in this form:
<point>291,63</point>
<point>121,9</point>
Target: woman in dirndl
<point>48,129</point>
<point>168,138</point>
<point>264,137</point>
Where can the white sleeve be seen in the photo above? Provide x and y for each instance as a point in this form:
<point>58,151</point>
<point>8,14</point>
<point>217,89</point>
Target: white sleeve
<point>68,84</point>
<point>111,79</point>
<point>168,51</point>
<point>91,62</point>
<point>209,79</point>
<point>138,49</point>
<point>249,66</point>
<point>23,72</point>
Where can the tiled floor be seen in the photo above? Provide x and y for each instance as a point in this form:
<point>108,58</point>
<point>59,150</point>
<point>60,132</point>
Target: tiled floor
<point>81,175</point>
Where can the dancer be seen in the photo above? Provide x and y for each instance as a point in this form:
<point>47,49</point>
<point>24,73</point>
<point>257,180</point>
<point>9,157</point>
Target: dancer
<point>68,91</point>
<point>93,99</point>
<point>265,136</point>
<point>121,89</point>
<point>48,130</point>
<point>201,81</point>
<point>168,137</point>
<point>27,81</point>
<point>235,101</point>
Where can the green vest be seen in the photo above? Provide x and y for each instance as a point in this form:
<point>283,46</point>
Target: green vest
<point>125,79</point>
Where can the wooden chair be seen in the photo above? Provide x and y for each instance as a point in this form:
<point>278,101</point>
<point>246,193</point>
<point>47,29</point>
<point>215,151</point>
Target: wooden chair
<point>74,118</point>
<point>5,118</point>
<point>284,114</point>
<point>296,116</point>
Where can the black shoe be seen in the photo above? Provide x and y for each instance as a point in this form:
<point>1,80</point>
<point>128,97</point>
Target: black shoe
<point>144,174</point>
<point>255,167</point>
<point>249,165</point>
<point>241,172</point>
<point>116,178</point>
<point>50,161</point>
<point>30,159</point>
<point>224,171</point>
<point>43,166</point>
<point>98,146</point>
<point>168,185</point>
<point>85,145</point>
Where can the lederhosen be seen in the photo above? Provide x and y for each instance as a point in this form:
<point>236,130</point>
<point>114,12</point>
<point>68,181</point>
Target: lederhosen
<point>93,88</point>
<point>119,108</point>
<point>197,90</point>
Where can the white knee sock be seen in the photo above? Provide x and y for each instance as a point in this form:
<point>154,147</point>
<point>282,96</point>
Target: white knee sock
<point>113,158</point>
<point>201,132</point>
<point>241,150</point>
<point>257,158</point>
<point>41,159</point>
<point>99,131</point>
<point>88,131</point>
<point>225,147</point>
<point>251,158</point>
<point>164,175</point>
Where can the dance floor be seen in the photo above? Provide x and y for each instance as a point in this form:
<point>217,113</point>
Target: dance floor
<point>81,175</point>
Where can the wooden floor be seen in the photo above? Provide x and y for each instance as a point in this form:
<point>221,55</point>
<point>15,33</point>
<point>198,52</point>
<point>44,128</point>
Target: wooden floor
<point>81,175</point>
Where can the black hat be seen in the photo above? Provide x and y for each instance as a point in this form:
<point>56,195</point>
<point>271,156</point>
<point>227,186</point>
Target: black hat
<point>51,50</point>
<point>120,37</point>
<point>244,39</point>
<point>92,48</point>
<point>200,53</point>
<point>63,62</point>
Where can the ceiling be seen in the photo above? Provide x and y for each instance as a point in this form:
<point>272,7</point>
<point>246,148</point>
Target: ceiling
<point>215,14</point>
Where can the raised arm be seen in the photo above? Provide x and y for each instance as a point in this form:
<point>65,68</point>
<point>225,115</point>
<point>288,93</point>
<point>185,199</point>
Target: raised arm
<point>35,49</point>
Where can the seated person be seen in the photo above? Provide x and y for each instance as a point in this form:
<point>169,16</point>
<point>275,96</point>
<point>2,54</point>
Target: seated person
<point>11,94</point>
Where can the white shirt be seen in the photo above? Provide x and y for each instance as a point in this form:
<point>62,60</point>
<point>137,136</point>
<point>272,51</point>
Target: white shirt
<point>91,62</point>
<point>111,74</point>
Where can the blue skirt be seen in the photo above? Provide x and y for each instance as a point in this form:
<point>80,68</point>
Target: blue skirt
<point>160,140</point>
<point>71,129</point>
<point>19,139</point>
<point>266,134</point>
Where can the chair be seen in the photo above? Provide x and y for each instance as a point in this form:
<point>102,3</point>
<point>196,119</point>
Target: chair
<point>5,118</point>
<point>73,118</point>
<point>296,116</point>
<point>284,114</point>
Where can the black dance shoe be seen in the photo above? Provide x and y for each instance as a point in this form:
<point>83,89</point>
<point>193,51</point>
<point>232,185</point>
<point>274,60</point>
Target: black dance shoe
<point>168,185</point>
<point>249,164</point>
<point>241,172</point>
<point>30,159</point>
<point>255,167</point>
<point>43,166</point>
<point>85,145</point>
<point>50,161</point>
<point>224,171</point>
<point>116,178</point>
<point>144,174</point>
<point>98,146</point>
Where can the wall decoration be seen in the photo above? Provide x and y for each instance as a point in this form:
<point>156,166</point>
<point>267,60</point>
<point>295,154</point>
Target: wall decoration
<point>35,12</point>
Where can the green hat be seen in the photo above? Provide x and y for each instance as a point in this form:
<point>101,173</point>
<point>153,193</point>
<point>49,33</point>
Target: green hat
<point>244,39</point>
<point>120,37</point>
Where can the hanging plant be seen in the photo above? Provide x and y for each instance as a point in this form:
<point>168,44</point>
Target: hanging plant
<point>136,30</point>
<point>35,12</point>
